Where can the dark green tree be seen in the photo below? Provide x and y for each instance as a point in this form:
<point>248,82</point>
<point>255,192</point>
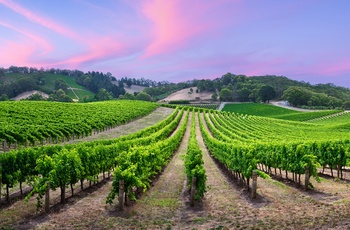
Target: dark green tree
<point>266,93</point>
<point>103,95</point>
<point>297,96</point>
<point>226,95</point>
<point>346,105</point>
<point>4,97</point>
<point>143,97</point>
<point>61,84</point>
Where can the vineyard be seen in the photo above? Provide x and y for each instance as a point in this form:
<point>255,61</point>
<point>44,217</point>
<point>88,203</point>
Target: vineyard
<point>264,157</point>
<point>266,110</point>
<point>38,123</point>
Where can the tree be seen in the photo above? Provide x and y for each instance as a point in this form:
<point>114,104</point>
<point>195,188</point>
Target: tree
<point>127,96</point>
<point>226,95</point>
<point>143,97</point>
<point>36,97</point>
<point>266,93</point>
<point>214,97</point>
<point>2,72</point>
<point>60,95</point>
<point>4,97</point>
<point>61,84</point>
<point>346,105</point>
<point>103,95</point>
<point>297,95</point>
<point>243,94</point>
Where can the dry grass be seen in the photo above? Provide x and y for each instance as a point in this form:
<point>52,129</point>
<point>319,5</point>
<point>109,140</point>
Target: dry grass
<point>184,95</point>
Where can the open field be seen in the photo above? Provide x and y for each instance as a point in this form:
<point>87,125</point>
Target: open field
<point>267,110</point>
<point>185,95</point>
<point>281,202</point>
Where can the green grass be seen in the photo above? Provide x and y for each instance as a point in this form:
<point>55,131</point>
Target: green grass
<point>338,120</point>
<point>49,86</point>
<point>266,110</point>
<point>263,110</point>
<point>305,116</point>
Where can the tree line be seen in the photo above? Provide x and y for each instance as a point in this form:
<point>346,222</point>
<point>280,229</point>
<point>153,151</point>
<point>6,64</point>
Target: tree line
<point>29,78</point>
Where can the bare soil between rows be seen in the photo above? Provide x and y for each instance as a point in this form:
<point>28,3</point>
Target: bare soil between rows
<point>226,204</point>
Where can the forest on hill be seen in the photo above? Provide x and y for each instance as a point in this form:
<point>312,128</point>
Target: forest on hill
<point>98,86</point>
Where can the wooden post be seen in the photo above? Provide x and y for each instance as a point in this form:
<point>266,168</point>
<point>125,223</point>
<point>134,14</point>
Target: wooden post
<point>254,183</point>
<point>307,177</point>
<point>121,194</point>
<point>47,197</point>
<point>193,191</point>
<point>4,145</point>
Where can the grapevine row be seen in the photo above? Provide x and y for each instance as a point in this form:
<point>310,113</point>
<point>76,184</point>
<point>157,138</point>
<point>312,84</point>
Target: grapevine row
<point>64,165</point>
<point>194,163</point>
<point>38,122</point>
<point>139,165</point>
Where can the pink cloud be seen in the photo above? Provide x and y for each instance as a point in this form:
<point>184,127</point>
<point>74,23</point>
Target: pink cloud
<point>175,23</point>
<point>16,53</point>
<point>340,67</point>
<point>35,40</point>
<point>38,19</point>
<point>97,49</point>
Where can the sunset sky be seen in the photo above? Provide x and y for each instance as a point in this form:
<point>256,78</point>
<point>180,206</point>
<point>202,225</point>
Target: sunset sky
<point>178,40</point>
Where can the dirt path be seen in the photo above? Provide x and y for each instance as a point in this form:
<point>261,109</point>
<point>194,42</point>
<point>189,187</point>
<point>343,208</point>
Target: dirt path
<point>157,115</point>
<point>280,205</point>
<point>284,104</point>
<point>222,202</point>
<point>226,205</point>
<point>158,207</point>
<point>24,213</point>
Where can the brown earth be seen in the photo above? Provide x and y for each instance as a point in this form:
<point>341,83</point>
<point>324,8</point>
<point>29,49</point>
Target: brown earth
<point>226,204</point>
<point>28,94</point>
<point>185,95</point>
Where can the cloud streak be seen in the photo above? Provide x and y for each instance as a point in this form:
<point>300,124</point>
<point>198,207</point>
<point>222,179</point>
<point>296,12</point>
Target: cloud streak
<point>174,40</point>
<point>45,22</point>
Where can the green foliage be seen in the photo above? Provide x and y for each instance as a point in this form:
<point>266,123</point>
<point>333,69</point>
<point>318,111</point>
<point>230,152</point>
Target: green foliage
<point>346,105</point>
<point>4,97</point>
<point>43,81</point>
<point>299,96</point>
<point>63,165</point>
<point>61,84</point>
<point>127,96</point>
<point>272,111</point>
<point>226,95</point>
<point>266,93</point>
<point>103,95</point>
<point>29,121</point>
<point>194,164</point>
<point>179,102</point>
<point>138,165</point>
<point>143,97</point>
<point>241,142</point>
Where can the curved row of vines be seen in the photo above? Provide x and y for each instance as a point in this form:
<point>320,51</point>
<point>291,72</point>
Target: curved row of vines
<point>38,122</point>
<point>61,166</point>
<point>248,143</point>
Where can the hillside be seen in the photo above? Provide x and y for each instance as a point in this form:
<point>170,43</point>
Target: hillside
<point>185,94</point>
<point>134,89</point>
<point>44,82</point>
<point>28,94</point>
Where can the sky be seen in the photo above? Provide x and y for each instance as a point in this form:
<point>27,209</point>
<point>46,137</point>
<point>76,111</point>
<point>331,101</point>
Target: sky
<point>180,40</point>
